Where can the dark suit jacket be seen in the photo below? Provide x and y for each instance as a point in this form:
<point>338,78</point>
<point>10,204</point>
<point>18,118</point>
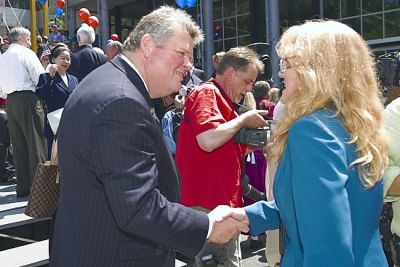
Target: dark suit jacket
<point>119,185</point>
<point>54,92</point>
<point>85,60</point>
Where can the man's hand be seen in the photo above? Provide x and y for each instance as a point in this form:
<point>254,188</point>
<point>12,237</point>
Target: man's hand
<point>227,224</point>
<point>254,118</point>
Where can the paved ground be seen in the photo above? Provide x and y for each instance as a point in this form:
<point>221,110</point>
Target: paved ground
<point>251,257</point>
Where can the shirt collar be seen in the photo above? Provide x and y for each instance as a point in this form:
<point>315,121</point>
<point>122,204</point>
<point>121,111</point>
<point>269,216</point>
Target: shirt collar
<point>130,63</point>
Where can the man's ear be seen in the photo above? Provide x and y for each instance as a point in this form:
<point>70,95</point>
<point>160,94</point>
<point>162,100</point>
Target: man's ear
<point>147,44</point>
<point>229,73</point>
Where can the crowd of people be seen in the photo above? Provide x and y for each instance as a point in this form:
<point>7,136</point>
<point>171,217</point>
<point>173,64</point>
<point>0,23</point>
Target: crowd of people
<point>148,160</point>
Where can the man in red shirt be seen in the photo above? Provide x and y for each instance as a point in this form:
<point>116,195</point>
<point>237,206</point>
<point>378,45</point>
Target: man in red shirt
<point>208,160</point>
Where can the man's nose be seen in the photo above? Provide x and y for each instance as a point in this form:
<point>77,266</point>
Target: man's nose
<point>187,63</point>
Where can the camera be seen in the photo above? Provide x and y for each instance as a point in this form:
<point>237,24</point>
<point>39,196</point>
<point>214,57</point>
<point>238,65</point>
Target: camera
<point>252,137</point>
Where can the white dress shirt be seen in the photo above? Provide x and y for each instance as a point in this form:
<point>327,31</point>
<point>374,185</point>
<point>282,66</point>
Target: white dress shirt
<point>19,70</point>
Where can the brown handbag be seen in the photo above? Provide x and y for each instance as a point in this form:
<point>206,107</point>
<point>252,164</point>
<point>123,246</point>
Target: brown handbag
<point>45,189</point>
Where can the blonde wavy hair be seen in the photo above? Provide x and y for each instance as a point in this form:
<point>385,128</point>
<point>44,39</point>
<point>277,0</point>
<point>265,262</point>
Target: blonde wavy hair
<point>337,71</point>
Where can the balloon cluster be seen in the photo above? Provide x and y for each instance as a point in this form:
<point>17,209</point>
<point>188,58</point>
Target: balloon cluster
<point>218,32</point>
<point>184,3</point>
<point>60,8</point>
<point>84,16</point>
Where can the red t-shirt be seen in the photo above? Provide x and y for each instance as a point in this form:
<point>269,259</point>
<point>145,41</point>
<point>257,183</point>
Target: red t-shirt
<point>208,179</point>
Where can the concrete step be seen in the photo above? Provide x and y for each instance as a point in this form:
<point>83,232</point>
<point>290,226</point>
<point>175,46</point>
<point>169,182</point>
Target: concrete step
<point>35,254</point>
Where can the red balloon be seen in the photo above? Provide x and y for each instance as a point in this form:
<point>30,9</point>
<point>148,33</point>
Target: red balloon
<point>114,37</point>
<point>61,3</point>
<point>218,28</point>
<point>84,14</point>
<point>93,21</point>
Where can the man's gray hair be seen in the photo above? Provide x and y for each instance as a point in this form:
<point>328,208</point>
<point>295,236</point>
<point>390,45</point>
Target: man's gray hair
<point>162,24</point>
<point>86,34</point>
<point>117,45</point>
<point>18,32</point>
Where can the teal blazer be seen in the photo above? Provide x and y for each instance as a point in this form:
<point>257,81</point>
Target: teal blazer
<point>330,218</point>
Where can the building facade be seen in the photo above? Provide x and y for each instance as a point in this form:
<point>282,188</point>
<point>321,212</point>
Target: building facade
<point>236,22</point>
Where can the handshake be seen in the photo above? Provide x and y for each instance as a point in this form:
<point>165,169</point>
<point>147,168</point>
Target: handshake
<point>227,223</point>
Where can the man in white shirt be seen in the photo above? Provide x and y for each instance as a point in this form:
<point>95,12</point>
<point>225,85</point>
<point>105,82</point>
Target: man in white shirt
<point>19,73</point>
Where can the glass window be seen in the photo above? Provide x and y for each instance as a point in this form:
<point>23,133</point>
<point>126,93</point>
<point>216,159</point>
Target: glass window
<point>389,4</point>
<point>217,9</point>
<point>354,23</point>
<point>243,23</point>
<point>229,8</point>
<point>392,22</point>
<point>243,7</point>
<point>24,4</point>
<point>372,27</point>
<point>229,43</point>
<point>230,28</point>
<point>244,40</point>
<point>331,9</point>
<point>351,8</point>
<point>371,6</point>
<point>219,46</point>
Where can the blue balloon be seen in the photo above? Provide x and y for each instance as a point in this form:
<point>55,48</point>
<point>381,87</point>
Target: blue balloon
<point>181,3</point>
<point>42,2</point>
<point>59,12</point>
<point>190,3</point>
<point>217,36</point>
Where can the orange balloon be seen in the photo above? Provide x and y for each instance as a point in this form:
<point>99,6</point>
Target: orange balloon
<point>84,14</point>
<point>93,21</point>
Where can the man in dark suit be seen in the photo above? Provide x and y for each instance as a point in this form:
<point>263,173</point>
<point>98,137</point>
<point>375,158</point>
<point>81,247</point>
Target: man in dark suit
<point>86,58</point>
<point>119,186</point>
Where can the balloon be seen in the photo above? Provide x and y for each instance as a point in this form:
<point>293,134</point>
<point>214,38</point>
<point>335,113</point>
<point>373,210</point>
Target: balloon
<point>59,12</point>
<point>93,21</point>
<point>84,14</point>
<point>42,2</point>
<point>217,36</point>
<point>218,28</point>
<point>115,37</point>
<point>181,3</point>
<point>61,3</point>
<point>190,3</point>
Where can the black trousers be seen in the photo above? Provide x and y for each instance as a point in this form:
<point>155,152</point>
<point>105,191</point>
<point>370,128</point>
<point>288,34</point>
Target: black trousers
<point>4,143</point>
<point>25,124</point>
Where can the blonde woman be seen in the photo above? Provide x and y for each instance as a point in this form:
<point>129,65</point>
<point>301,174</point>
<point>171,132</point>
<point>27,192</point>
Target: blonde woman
<point>330,151</point>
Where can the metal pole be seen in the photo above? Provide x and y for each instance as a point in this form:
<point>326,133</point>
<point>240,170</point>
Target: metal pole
<point>46,18</point>
<point>33,26</point>
<point>274,30</point>
<point>104,25</point>
<point>208,28</point>
<point>71,20</point>
<point>267,21</point>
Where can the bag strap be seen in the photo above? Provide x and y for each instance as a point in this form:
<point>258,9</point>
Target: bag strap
<point>54,153</point>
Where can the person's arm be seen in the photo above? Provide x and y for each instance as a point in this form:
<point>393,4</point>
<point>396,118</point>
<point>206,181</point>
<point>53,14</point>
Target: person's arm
<point>124,143</point>
<point>319,171</point>
<point>262,216</point>
<point>216,137</point>
<point>394,189</point>
<point>43,88</point>
<point>33,65</point>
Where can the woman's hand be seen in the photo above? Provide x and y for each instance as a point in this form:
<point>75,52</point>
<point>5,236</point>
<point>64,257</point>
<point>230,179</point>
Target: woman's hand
<point>52,70</point>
